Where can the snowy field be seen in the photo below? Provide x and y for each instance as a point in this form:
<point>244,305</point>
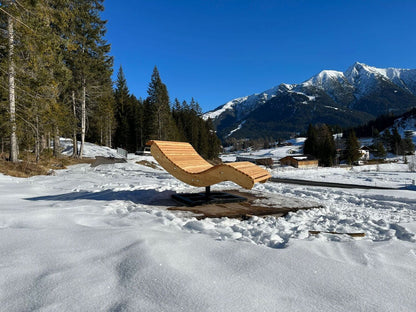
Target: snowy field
<point>102,239</point>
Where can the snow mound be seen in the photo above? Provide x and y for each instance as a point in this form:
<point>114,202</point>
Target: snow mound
<point>90,150</point>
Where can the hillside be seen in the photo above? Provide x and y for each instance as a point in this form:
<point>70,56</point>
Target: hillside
<point>349,98</point>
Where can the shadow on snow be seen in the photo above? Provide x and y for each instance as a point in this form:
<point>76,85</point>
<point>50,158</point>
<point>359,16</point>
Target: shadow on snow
<point>144,197</point>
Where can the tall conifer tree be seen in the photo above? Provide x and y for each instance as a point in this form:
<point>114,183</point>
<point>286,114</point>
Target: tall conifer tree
<point>352,147</point>
<point>122,97</point>
<point>311,144</point>
<point>159,124</point>
<point>88,56</point>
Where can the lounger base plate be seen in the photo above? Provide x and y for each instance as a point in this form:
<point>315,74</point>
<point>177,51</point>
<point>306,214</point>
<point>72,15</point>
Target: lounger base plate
<point>197,199</point>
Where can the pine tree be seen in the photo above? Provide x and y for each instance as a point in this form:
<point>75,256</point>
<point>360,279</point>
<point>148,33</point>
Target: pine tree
<point>39,73</point>
<point>122,98</point>
<point>159,123</point>
<point>380,150</point>
<point>177,114</point>
<point>214,143</point>
<point>395,142</point>
<point>102,120</point>
<point>352,153</point>
<point>203,140</point>
<point>194,125</point>
<point>320,143</point>
<point>59,60</point>
<point>386,138</point>
<point>311,143</point>
<point>87,56</point>
<point>139,123</point>
<point>327,151</point>
<point>408,146</point>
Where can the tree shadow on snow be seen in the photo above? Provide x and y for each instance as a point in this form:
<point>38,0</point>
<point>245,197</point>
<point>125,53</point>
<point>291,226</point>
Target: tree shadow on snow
<point>144,197</point>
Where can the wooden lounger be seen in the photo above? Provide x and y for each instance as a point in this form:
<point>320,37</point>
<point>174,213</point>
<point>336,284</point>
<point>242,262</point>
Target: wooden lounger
<point>182,161</point>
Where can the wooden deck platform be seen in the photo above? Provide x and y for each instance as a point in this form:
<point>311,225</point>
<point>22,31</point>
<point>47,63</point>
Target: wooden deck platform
<point>256,205</point>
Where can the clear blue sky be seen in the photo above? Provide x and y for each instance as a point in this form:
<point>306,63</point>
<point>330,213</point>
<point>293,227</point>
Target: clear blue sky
<point>217,50</point>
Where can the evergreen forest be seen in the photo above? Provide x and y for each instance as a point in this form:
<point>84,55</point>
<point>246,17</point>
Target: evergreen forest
<point>56,81</point>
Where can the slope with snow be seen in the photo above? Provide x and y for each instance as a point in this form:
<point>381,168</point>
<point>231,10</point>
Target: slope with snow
<point>243,105</point>
<point>227,106</point>
<point>102,239</point>
<point>405,126</point>
<point>360,93</point>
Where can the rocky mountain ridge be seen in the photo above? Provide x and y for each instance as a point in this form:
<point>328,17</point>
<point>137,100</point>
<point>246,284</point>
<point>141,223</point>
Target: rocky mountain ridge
<point>346,99</point>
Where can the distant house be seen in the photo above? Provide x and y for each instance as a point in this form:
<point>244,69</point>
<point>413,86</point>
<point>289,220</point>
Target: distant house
<point>364,152</point>
<point>299,161</point>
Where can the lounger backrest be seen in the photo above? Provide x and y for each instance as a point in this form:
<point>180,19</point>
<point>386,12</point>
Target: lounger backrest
<point>183,155</point>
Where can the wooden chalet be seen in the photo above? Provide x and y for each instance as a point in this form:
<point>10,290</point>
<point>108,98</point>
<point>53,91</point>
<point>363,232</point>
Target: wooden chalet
<point>299,161</point>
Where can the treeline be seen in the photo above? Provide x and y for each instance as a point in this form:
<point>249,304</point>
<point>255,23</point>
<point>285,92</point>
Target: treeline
<point>320,143</point>
<point>393,142</point>
<point>374,127</point>
<point>384,140</point>
<point>55,78</point>
<point>329,150</point>
<point>153,118</point>
<point>55,73</point>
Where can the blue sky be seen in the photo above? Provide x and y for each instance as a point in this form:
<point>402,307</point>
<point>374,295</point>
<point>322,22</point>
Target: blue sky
<point>217,50</point>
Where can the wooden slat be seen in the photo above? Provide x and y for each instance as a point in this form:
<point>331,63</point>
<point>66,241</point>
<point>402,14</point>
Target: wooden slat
<point>189,163</point>
<point>262,178</point>
<point>190,157</point>
<point>178,150</point>
<point>179,153</point>
<point>250,169</point>
<point>201,167</point>
<point>242,165</point>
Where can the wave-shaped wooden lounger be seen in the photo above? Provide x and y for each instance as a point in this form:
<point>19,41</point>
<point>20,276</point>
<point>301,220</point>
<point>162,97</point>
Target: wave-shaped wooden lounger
<point>182,161</point>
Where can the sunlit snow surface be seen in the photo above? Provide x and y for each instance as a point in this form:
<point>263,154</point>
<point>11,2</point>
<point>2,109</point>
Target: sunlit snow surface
<point>102,239</point>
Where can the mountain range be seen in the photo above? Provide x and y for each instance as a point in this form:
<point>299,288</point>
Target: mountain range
<point>346,99</point>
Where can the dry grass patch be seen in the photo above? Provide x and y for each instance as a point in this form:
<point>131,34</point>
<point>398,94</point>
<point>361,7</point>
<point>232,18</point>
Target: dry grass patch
<point>148,164</point>
<point>28,167</point>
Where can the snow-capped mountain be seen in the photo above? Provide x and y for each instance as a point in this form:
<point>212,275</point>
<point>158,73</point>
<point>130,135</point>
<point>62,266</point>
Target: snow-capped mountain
<point>243,105</point>
<point>347,98</point>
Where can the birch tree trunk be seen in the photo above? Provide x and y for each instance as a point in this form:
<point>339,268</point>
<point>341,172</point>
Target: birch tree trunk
<point>12,97</point>
<point>37,139</point>
<point>101,132</point>
<point>83,118</point>
<point>74,135</point>
<point>43,143</point>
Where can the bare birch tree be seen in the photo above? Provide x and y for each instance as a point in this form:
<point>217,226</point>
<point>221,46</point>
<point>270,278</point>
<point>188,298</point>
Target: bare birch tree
<point>12,96</point>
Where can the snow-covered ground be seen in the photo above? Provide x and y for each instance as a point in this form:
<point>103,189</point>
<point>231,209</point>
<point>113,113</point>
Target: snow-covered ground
<point>101,239</point>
